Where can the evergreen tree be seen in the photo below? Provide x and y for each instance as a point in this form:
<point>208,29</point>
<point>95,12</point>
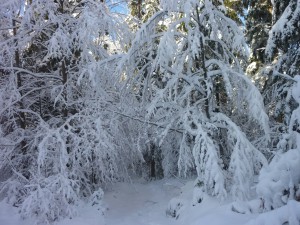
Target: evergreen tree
<point>283,54</point>
<point>280,181</point>
<point>258,25</point>
<point>58,96</point>
<point>199,51</point>
<point>153,154</point>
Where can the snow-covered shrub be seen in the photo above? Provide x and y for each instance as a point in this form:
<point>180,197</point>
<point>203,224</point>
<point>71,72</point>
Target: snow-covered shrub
<point>51,199</point>
<point>96,199</point>
<point>280,181</point>
<point>288,214</point>
<point>199,193</point>
<point>174,207</point>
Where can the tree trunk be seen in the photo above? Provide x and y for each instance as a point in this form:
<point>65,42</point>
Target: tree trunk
<point>201,64</point>
<point>64,81</point>
<point>22,117</point>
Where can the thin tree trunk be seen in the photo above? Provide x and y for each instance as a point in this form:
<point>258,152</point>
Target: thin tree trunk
<point>64,81</point>
<point>203,67</point>
<point>22,116</point>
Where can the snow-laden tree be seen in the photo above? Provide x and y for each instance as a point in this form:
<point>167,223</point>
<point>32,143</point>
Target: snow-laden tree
<point>190,79</point>
<point>62,138</point>
<point>283,52</point>
<point>280,181</point>
<point>258,25</point>
<point>282,59</point>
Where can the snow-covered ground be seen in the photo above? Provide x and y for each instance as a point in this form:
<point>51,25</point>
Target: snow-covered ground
<point>141,203</point>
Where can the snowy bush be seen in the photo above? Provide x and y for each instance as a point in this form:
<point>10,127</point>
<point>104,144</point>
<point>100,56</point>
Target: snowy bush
<point>174,207</point>
<point>280,181</point>
<point>96,199</point>
<point>199,194</point>
<point>51,199</point>
<point>288,214</point>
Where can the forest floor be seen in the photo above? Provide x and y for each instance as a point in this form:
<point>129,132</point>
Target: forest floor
<point>146,203</point>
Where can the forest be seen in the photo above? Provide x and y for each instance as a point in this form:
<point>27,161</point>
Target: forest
<point>94,93</point>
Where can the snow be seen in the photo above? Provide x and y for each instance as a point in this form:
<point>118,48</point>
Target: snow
<point>9,216</point>
<point>141,203</point>
<point>296,89</point>
<point>146,203</point>
<point>288,213</point>
<point>277,181</point>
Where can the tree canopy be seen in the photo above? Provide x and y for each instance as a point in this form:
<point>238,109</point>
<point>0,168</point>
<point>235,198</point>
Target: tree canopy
<point>196,88</point>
